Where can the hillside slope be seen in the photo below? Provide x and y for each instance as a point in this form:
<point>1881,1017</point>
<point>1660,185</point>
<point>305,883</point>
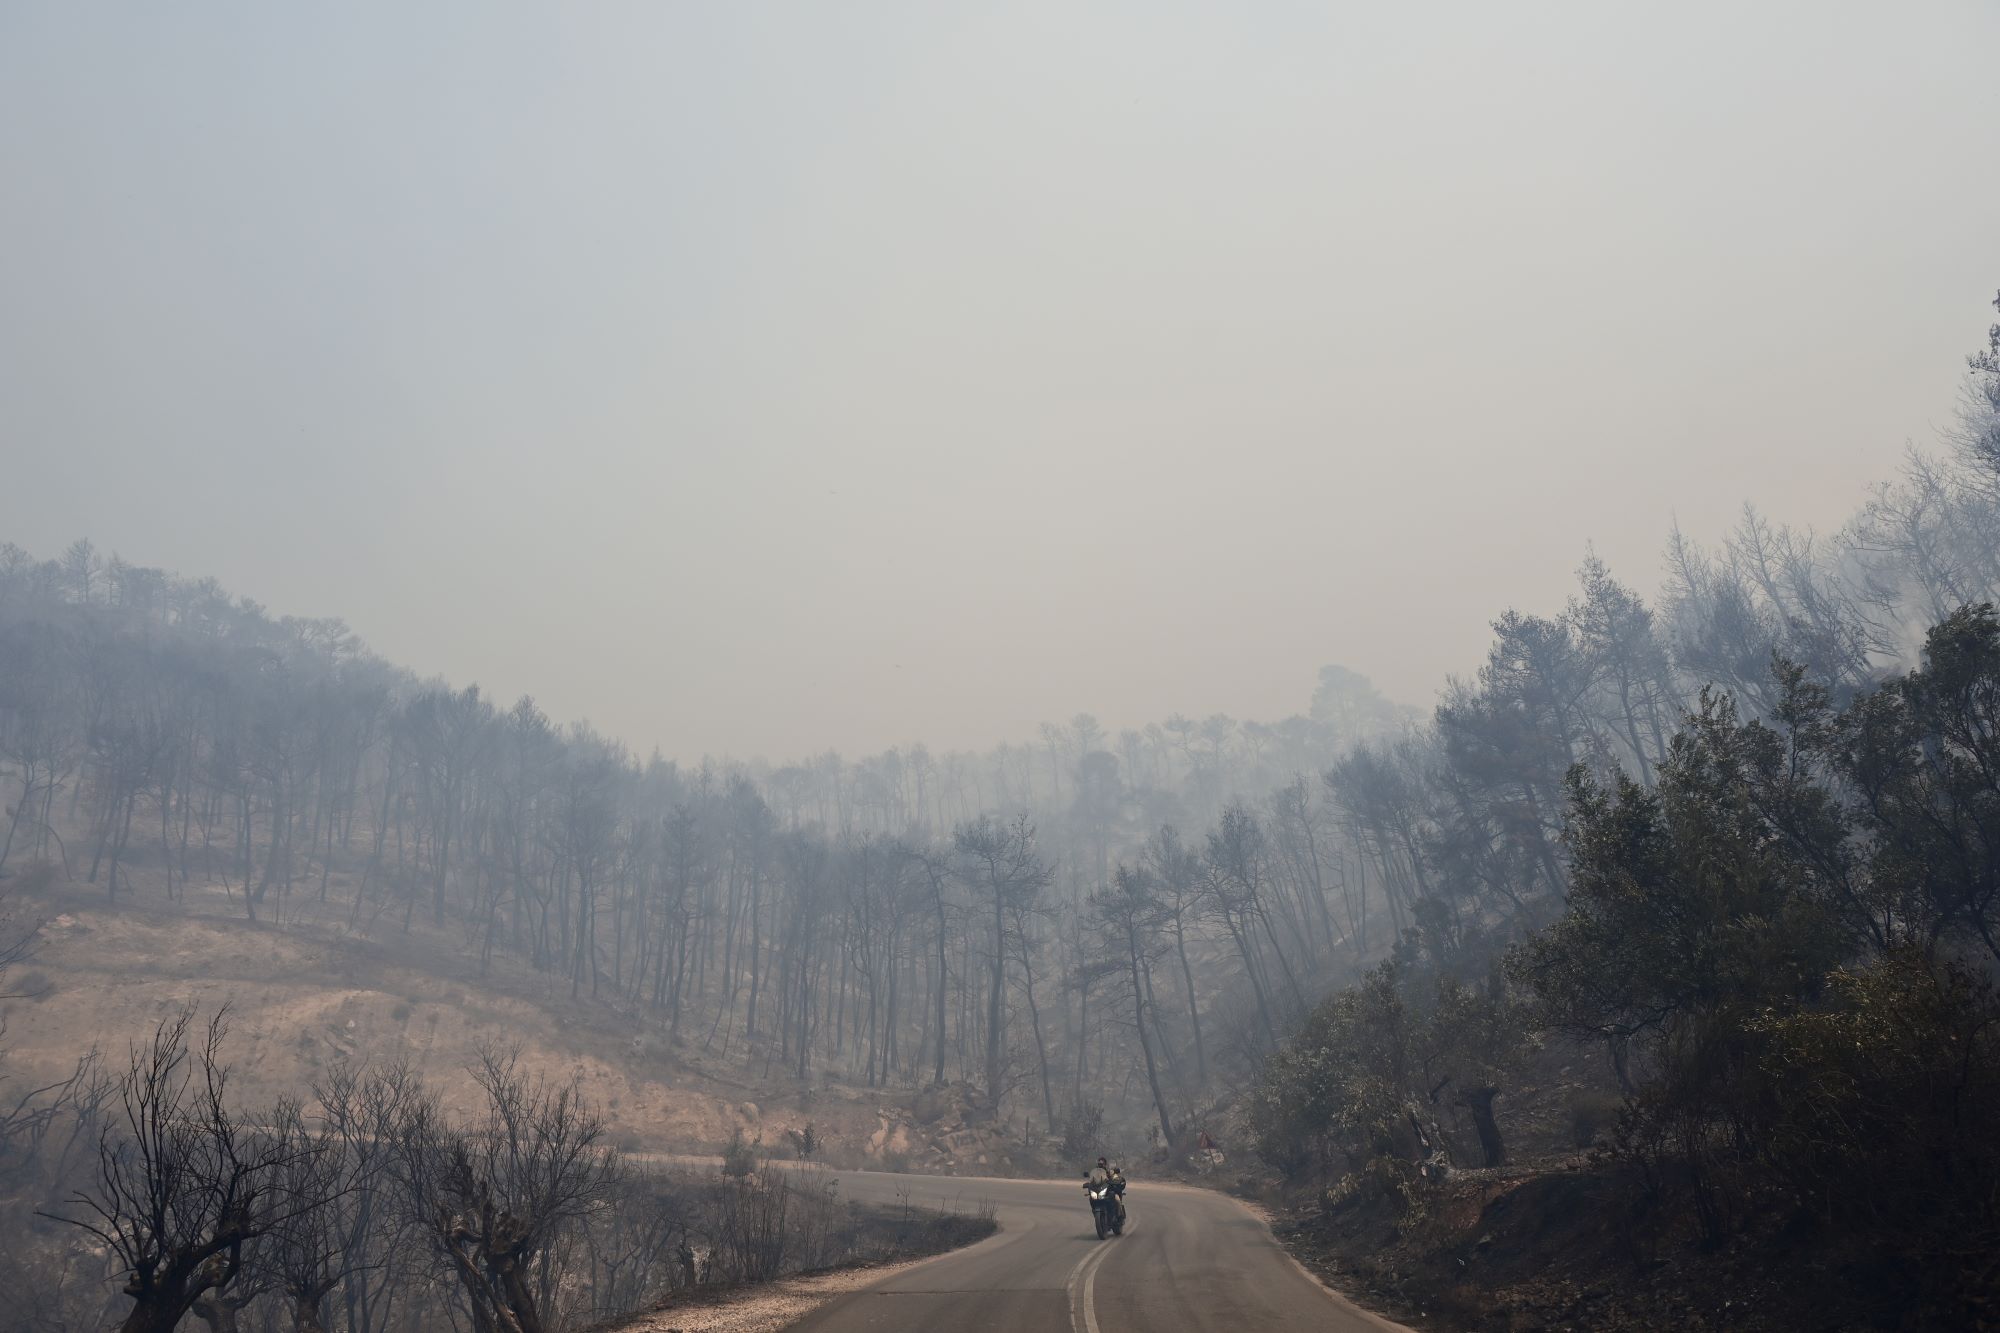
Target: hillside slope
<point>315,992</point>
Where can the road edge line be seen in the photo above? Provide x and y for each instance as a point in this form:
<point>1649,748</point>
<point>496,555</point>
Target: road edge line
<point>1380,1322</point>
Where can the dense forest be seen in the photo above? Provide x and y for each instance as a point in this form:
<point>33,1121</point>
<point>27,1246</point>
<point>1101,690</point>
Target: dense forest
<point>1776,913</point>
<point>1737,838</point>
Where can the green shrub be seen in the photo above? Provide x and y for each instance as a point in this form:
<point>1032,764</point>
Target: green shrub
<point>1880,1104</point>
<point>1365,1069</point>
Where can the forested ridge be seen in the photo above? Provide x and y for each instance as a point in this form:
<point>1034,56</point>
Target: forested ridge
<point>1732,841</point>
<point>899,919</point>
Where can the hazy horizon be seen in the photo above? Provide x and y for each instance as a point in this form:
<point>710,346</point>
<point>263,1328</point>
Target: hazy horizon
<point>767,380</point>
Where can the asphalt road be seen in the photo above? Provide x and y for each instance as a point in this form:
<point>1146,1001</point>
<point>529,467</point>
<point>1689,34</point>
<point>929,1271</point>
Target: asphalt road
<point>1190,1260</point>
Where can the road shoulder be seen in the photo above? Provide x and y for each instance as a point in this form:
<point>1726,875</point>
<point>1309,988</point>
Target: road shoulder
<point>768,1306</point>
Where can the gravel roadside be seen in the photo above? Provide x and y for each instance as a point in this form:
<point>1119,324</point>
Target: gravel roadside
<point>767,1307</point>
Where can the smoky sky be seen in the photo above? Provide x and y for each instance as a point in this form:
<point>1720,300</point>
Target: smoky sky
<point>758,379</point>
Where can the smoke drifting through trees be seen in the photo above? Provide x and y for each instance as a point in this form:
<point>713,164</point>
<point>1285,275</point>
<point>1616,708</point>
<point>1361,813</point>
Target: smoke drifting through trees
<point>1132,922</point>
<point>868,919</point>
<point>1772,905</point>
<point>896,920</point>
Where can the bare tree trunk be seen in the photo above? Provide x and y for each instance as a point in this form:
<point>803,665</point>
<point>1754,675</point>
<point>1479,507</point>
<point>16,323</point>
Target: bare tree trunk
<point>1041,1050</point>
<point>1479,1101</point>
<point>943,973</point>
<point>996,1007</point>
<point>1256,983</point>
<point>1146,1042</point>
<point>1194,1004</point>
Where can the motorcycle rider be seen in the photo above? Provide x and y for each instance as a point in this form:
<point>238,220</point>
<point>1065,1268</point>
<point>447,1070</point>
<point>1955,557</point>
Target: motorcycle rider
<point>1106,1173</point>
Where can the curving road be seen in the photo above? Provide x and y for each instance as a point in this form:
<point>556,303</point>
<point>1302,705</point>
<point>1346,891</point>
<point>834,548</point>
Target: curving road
<point>1190,1260</point>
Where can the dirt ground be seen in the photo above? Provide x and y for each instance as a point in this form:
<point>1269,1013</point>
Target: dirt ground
<point>316,992</point>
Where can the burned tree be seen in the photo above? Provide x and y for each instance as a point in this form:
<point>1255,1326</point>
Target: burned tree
<point>1000,865</point>
<point>341,1230</point>
<point>490,1200</point>
<point>183,1186</point>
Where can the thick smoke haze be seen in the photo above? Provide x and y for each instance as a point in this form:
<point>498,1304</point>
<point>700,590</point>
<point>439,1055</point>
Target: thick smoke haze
<point>758,379</point>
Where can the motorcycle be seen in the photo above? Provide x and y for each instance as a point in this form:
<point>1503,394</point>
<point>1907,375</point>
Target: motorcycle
<point>1105,1210</point>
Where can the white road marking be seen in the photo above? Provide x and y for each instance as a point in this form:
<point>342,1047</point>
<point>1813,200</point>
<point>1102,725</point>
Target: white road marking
<point>1082,1286</point>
